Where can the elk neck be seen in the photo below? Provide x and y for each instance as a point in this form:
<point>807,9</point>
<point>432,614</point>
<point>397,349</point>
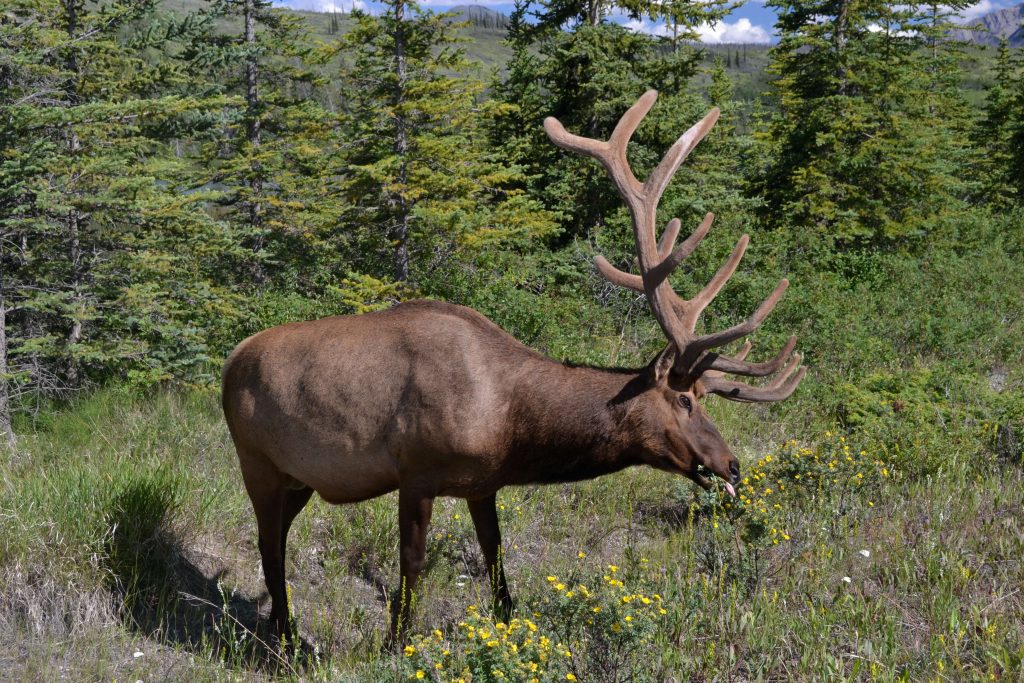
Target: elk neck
<point>569,423</point>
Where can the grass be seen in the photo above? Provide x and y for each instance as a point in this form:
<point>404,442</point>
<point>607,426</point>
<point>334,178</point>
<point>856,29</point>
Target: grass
<point>126,530</point>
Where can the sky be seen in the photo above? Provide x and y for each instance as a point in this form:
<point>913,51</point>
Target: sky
<point>751,23</point>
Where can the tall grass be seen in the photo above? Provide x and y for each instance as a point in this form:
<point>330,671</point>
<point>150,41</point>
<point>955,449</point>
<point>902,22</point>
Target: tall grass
<point>126,530</point>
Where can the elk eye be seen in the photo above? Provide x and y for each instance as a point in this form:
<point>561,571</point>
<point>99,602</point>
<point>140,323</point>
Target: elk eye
<point>685,402</point>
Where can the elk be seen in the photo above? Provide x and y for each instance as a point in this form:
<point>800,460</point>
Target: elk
<point>433,399</point>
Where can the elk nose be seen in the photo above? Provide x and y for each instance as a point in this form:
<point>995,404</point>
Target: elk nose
<point>734,470</point>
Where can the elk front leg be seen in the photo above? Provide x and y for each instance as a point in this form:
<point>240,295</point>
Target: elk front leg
<point>485,519</point>
<point>414,510</point>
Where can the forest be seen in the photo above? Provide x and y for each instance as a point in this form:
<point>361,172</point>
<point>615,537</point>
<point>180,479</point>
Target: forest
<point>177,175</point>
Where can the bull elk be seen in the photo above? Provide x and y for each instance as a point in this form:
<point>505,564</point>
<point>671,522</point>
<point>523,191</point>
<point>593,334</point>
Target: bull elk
<point>433,399</point>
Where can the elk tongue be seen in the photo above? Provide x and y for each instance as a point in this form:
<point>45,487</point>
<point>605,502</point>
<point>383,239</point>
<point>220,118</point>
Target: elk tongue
<point>730,489</point>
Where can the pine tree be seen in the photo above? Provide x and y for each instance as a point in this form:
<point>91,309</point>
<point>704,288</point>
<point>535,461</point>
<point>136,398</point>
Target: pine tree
<point>587,78</point>
<point>91,104</point>
<point>1000,132</point>
<point>419,176</point>
<point>864,147</point>
<point>270,158</point>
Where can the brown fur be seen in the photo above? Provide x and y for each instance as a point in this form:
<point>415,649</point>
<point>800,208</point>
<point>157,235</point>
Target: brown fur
<point>433,399</point>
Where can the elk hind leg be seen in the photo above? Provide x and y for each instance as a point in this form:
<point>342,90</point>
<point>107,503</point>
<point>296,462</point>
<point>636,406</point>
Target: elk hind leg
<point>276,502</point>
<point>488,532</point>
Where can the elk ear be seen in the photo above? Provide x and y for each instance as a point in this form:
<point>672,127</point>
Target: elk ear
<point>661,366</point>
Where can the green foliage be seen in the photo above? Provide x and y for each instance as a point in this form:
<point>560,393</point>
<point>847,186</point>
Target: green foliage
<point>105,267</point>
<point>420,182</point>
<point>866,146</point>
<point>1000,132</point>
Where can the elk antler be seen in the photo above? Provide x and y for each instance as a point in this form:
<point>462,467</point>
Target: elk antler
<point>678,316</point>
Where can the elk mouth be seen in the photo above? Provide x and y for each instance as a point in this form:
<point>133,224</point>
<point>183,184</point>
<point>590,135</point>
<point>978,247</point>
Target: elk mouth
<point>706,484</point>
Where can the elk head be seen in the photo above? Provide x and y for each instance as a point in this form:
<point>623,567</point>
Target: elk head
<point>688,368</point>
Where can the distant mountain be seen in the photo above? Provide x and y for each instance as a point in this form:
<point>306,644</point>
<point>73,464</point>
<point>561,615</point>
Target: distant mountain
<point>994,26</point>
<point>477,15</point>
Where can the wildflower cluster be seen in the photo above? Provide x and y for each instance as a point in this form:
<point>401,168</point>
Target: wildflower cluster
<point>758,508</point>
<point>575,629</point>
<point>481,649</point>
<point>833,465</point>
<point>611,609</point>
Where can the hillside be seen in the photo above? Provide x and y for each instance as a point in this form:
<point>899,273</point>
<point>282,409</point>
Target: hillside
<point>484,35</point>
<point>995,27</point>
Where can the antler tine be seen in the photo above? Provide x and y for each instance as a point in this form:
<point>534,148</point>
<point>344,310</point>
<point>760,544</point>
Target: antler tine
<point>709,341</point>
<point>616,276</point>
<point>714,364</point>
<point>670,259</point>
<point>668,238</point>
<point>658,181</point>
<point>712,288</point>
<point>783,386</point>
<point>660,272</point>
<point>612,152</point>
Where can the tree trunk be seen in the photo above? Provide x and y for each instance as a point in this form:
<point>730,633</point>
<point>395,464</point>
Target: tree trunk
<point>594,12</point>
<point>6,431</point>
<point>253,133</point>
<point>77,275</point>
<point>840,42</point>
<point>74,217</point>
<point>399,233</point>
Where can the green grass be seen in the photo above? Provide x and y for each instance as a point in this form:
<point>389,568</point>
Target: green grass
<point>126,529</point>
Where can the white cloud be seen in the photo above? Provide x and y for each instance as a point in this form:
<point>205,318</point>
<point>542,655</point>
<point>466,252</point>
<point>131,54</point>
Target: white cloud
<point>984,7</point>
<point>341,6</point>
<point>878,28</point>
<point>740,31</point>
<point>446,4</point>
<point>648,27</point>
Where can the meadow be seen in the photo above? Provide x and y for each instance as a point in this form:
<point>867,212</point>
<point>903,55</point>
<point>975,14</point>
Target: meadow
<point>877,534</point>
<point>128,553</point>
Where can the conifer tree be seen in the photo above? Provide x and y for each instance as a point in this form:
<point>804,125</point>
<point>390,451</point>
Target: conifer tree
<point>587,78</point>
<point>418,174</point>
<point>864,147</point>
<point>269,160</point>
<point>1000,132</point>
<point>88,114</point>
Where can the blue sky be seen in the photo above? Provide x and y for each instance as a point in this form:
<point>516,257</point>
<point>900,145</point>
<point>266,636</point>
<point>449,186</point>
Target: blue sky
<point>751,23</point>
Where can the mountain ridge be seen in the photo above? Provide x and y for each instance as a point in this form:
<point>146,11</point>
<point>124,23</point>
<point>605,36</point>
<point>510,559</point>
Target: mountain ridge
<point>994,27</point>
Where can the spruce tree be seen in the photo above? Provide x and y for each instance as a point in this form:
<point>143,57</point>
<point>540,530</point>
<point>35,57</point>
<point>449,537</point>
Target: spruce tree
<point>1000,132</point>
<point>270,157</point>
<point>418,174</point>
<point>864,147</point>
<point>92,103</point>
